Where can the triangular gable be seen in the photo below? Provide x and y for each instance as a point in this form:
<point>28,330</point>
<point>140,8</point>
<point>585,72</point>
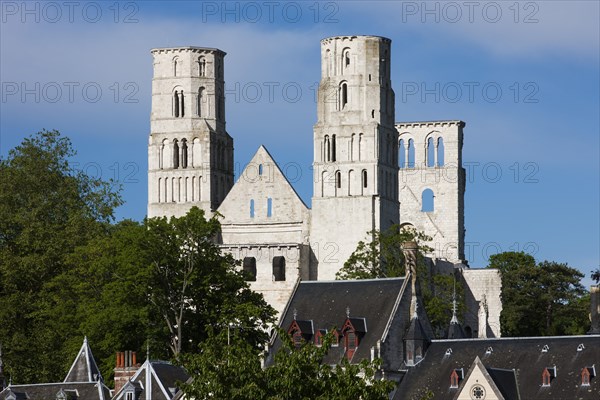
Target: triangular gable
<point>478,384</point>
<point>154,383</point>
<point>261,180</point>
<point>84,368</point>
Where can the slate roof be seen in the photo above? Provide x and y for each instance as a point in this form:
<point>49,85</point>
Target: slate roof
<point>163,377</point>
<point>369,304</point>
<point>48,391</point>
<point>84,368</point>
<point>523,355</point>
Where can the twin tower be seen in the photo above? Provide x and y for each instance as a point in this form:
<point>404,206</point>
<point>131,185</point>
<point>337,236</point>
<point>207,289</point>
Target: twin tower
<point>370,172</point>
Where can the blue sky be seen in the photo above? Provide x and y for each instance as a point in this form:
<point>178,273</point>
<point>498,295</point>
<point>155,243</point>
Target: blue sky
<point>523,76</point>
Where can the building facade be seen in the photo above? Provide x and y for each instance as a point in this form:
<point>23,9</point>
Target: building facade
<point>370,172</point>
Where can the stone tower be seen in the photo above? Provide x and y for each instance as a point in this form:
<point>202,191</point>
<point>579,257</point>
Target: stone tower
<point>432,184</point>
<point>190,154</point>
<point>355,159</point>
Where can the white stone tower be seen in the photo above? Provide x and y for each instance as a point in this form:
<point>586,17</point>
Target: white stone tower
<point>432,184</point>
<point>355,159</point>
<point>190,154</point>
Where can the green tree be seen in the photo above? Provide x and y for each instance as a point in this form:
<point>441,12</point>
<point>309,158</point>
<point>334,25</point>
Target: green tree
<point>194,286</point>
<point>540,299</point>
<point>382,257</point>
<point>231,369</point>
<point>47,209</point>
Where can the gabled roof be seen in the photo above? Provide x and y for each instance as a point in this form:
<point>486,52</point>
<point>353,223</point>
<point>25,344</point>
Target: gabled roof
<point>252,185</point>
<point>526,356</point>
<point>84,368</point>
<point>162,381</point>
<point>477,368</point>
<point>48,391</point>
<point>369,304</point>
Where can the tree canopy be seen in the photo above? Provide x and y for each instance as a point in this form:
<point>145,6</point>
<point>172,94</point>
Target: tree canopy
<point>47,210</point>
<point>68,271</point>
<point>227,367</point>
<point>540,299</point>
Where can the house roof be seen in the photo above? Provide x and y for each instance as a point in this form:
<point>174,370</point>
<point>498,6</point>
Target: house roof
<point>46,391</point>
<point>163,377</point>
<point>526,356</point>
<point>84,368</point>
<point>369,305</point>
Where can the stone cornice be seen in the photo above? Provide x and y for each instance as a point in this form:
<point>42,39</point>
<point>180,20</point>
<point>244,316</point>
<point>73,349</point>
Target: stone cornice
<point>193,49</point>
<point>421,124</point>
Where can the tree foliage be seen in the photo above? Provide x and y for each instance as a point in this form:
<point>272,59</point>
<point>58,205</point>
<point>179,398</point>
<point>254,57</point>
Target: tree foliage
<point>231,369</point>
<point>47,210</point>
<point>66,271</point>
<point>596,276</point>
<point>540,299</point>
<point>382,257</point>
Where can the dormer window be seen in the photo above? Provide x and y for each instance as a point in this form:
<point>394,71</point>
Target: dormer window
<point>587,374</point>
<point>129,396</point>
<point>300,332</point>
<point>319,337</point>
<point>456,376</point>
<point>353,330</point>
<point>547,375</point>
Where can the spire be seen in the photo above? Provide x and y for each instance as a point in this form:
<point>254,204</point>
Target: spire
<point>455,330</point>
<point>84,368</point>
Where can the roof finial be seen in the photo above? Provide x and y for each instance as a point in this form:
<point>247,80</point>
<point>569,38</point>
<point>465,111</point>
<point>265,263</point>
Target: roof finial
<point>148,350</point>
<point>295,314</point>
<point>347,312</point>
<point>454,319</point>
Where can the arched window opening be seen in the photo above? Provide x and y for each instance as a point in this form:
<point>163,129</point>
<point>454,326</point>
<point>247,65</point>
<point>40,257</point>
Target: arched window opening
<point>279,268</point>
<point>440,152</point>
<point>351,182</point>
<point>346,58</point>
<point>199,102</point>
<point>360,143</point>
<point>327,149</point>
<point>260,169</point>
<point>364,178</point>
<point>351,152</point>
<point>175,62</point>
<point>184,153</point>
<point>159,189</point>
<point>193,188</point>
<point>176,104</point>
<point>338,179</point>
<point>427,200</point>
<point>401,154</point>
<point>175,154</point>
<point>343,95</point>
<point>252,208</point>
<point>411,153</point>
<point>201,66</point>
<point>269,207</point>
<point>327,62</point>
<point>181,104</point>
<point>166,185</point>
<point>430,153</point>
<point>333,151</point>
<point>249,268</point>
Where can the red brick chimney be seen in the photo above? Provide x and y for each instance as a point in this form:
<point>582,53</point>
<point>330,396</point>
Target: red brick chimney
<point>126,367</point>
